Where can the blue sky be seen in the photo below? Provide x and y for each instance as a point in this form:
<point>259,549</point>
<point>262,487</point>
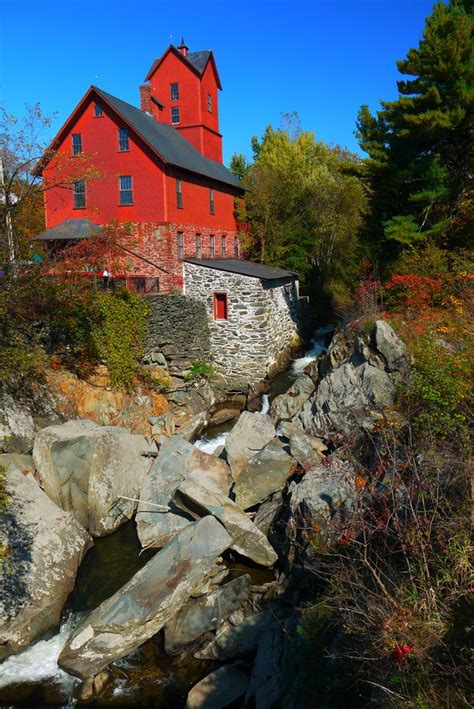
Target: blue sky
<point>320,58</point>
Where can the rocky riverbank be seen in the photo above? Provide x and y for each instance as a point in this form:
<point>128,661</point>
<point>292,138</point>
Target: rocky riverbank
<point>284,484</point>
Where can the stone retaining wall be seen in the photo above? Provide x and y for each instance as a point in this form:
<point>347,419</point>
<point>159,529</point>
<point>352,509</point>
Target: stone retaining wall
<point>177,327</point>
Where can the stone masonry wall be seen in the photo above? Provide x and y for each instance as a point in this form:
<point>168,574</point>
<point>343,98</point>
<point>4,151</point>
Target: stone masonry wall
<point>178,327</point>
<point>262,321</point>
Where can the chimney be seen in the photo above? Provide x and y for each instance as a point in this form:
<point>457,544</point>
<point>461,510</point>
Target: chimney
<point>145,98</point>
<point>183,48</point>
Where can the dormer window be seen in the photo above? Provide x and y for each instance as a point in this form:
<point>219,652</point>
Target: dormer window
<point>77,144</point>
<point>174,92</point>
<point>98,110</point>
<point>175,115</point>
<point>123,140</point>
<point>209,103</point>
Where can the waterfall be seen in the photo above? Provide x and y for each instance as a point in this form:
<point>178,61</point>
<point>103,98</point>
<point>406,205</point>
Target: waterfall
<point>317,346</point>
<point>40,661</point>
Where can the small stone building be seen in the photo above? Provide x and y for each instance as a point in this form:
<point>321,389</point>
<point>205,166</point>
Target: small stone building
<point>253,314</point>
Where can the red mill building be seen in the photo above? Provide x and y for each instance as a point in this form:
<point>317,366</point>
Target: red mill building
<point>158,168</point>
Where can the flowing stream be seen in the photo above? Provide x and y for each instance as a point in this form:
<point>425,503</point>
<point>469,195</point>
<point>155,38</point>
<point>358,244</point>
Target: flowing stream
<point>147,676</point>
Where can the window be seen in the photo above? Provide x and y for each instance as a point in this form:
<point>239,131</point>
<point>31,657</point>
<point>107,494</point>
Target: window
<point>79,191</point>
<point>179,194</point>
<point>220,306</point>
<point>126,195</point>
<point>212,208</point>
<point>174,92</point>
<point>211,246</point>
<point>123,140</point>
<point>76,143</point>
<point>180,245</point>
<point>209,103</point>
<point>223,251</point>
<point>98,110</point>
<point>236,247</point>
<point>198,245</point>
<point>175,115</point>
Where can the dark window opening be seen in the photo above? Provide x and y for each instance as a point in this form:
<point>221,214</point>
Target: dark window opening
<point>209,103</point>
<point>76,144</point>
<point>174,92</point>
<point>79,191</point>
<point>175,115</point>
<point>211,246</point>
<point>236,247</point>
<point>223,247</point>
<point>123,140</point>
<point>98,110</point>
<point>179,194</point>
<point>198,245</point>
<point>220,306</point>
<point>180,245</point>
<point>211,202</point>
<point>126,193</point>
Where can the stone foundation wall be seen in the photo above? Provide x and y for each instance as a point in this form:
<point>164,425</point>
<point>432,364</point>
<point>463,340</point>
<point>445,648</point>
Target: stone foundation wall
<point>177,327</point>
<point>262,325</point>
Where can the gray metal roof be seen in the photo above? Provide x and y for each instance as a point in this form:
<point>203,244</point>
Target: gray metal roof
<point>168,143</point>
<point>199,59</point>
<point>244,268</point>
<point>69,230</point>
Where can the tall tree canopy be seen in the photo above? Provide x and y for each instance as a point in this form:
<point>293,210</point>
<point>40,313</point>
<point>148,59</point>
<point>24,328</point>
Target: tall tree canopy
<point>304,207</point>
<point>420,145</point>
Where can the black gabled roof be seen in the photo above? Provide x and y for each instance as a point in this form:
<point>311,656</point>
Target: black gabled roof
<point>167,142</point>
<point>199,59</point>
<point>69,230</point>
<point>244,268</point>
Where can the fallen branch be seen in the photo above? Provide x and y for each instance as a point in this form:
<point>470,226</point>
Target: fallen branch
<point>146,502</point>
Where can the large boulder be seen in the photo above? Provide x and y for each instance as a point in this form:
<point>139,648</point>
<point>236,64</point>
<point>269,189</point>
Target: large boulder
<point>218,689</point>
<point>265,473</point>
<point>95,471</point>
<point>391,347</point>
<point>203,614</point>
<point>307,450</point>
<point>201,497</point>
<point>322,504</point>
<point>45,546</point>
<point>148,601</point>
<point>176,460</point>
<point>17,428</point>
<point>17,461</point>
<point>287,405</point>
<point>234,641</point>
<point>250,434</point>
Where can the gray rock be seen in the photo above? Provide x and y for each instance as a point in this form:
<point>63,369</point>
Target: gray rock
<point>323,500</point>
<point>204,614</point>
<point>176,460</point>
<point>45,547</point>
<point>147,602</point>
<point>89,469</point>
<point>267,512</point>
<point>285,406</point>
<point>391,347</point>
<point>17,428</point>
<point>307,450</point>
<point>377,385</point>
<point>194,427</point>
<point>218,689</point>
<point>250,434</point>
<point>234,641</point>
<point>200,496</point>
<point>23,463</point>
<point>268,683</point>
<point>264,474</point>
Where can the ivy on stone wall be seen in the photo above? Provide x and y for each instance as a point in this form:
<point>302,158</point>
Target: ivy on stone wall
<point>118,334</point>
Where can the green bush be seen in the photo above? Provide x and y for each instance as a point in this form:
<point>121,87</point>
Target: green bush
<point>200,368</point>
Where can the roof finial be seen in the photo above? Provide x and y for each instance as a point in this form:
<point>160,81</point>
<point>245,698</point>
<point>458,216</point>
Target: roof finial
<point>183,48</point>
